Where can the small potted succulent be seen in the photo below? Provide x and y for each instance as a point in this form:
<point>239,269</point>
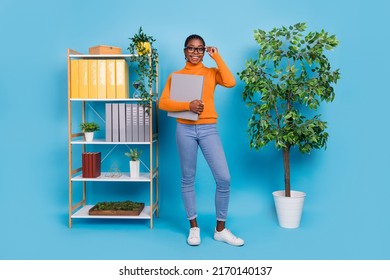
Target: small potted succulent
<point>134,155</point>
<point>89,128</point>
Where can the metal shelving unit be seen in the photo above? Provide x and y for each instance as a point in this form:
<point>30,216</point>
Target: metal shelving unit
<point>79,209</point>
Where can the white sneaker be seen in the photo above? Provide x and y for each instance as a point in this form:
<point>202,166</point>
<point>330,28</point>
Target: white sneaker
<point>226,236</point>
<point>194,236</point>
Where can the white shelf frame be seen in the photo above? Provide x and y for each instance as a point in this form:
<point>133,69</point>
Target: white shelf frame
<point>80,209</point>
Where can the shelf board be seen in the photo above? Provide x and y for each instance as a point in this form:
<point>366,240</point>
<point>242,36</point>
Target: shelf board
<point>83,214</point>
<point>107,99</point>
<point>123,177</point>
<point>127,57</point>
<point>121,55</point>
<point>102,141</point>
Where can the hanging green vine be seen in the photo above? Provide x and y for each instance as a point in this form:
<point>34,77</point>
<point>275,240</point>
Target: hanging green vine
<point>146,56</point>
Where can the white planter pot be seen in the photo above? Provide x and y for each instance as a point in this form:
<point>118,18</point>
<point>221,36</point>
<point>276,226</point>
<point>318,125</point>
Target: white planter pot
<point>134,168</point>
<point>88,136</point>
<point>289,209</point>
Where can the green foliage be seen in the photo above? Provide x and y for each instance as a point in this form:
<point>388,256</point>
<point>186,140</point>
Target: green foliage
<point>134,154</point>
<point>286,84</point>
<point>291,73</point>
<point>141,36</point>
<point>118,205</point>
<point>147,62</point>
<point>89,127</point>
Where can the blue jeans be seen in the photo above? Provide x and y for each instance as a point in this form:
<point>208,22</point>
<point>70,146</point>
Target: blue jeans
<point>188,138</point>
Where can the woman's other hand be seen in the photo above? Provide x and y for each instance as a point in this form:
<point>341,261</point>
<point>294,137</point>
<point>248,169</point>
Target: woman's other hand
<point>197,106</point>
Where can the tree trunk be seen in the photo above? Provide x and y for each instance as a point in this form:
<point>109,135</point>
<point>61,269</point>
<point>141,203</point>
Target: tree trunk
<point>286,161</point>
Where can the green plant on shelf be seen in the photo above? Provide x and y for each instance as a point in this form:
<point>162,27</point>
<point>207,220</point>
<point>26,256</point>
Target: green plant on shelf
<point>134,154</point>
<point>89,127</point>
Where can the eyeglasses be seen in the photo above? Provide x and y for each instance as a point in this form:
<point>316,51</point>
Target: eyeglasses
<point>198,50</point>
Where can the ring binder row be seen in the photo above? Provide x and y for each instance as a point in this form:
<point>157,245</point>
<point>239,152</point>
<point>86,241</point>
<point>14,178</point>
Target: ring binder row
<point>99,79</point>
<point>127,122</point>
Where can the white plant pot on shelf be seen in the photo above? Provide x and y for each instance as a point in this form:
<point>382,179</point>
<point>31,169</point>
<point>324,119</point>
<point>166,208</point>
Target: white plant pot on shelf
<point>289,209</point>
<point>88,136</point>
<point>134,168</point>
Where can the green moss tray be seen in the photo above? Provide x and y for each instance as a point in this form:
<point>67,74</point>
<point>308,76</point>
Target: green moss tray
<point>125,208</point>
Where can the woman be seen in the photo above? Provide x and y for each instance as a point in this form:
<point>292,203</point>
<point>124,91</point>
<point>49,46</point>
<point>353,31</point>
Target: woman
<point>202,133</point>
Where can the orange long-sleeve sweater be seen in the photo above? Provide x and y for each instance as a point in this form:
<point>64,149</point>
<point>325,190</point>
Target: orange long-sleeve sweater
<point>220,75</point>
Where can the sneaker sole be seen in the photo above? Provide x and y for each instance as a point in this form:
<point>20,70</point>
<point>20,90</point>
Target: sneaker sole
<point>193,244</point>
<point>221,240</point>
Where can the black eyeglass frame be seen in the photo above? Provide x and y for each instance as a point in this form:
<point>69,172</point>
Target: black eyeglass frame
<point>193,49</point>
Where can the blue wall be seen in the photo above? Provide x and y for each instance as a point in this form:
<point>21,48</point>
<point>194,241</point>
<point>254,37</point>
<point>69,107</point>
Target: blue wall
<point>347,208</point>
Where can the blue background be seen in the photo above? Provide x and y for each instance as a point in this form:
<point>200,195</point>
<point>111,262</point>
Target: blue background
<point>346,213</point>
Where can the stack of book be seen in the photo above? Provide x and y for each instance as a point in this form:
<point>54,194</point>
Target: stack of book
<point>127,122</point>
<point>91,164</point>
<point>99,79</point>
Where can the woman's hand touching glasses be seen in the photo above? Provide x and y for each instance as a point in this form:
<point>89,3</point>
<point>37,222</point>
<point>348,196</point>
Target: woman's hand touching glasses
<point>211,50</point>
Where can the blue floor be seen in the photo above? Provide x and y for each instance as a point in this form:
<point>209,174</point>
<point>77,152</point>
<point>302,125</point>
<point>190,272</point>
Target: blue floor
<point>46,236</point>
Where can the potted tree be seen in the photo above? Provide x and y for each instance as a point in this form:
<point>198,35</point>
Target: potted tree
<point>284,88</point>
<point>147,58</point>
<point>89,128</point>
<point>134,155</point>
